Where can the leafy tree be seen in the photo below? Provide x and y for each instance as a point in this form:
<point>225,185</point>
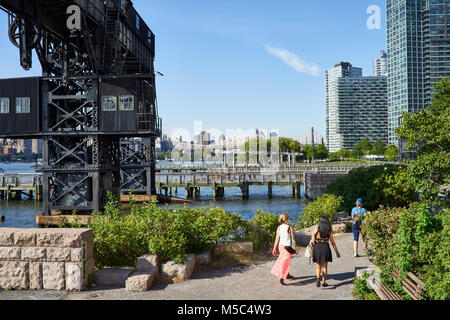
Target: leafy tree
<point>289,145</point>
<point>396,187</point>
<point>391,153</point>
<point>321,152</point>
<point>343,153</point>
<point>379,147</point>
<point>428,134</point>
<point>309,152</point>
<point>362,148</point>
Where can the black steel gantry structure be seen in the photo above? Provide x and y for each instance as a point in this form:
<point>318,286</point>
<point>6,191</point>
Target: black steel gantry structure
<point>95,105</point>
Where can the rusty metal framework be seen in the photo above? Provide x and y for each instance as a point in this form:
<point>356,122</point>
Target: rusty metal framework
<point>82,162</point>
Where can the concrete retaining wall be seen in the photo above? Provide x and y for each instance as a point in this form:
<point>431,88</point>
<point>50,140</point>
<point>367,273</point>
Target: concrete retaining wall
<point>53,259</point>
<point>316,183</point>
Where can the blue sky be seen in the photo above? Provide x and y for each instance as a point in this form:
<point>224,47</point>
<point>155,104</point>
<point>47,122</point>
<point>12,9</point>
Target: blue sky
<point>223,64</point>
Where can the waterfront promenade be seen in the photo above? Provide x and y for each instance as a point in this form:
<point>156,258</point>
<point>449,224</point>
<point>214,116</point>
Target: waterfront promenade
<point>239,282</point>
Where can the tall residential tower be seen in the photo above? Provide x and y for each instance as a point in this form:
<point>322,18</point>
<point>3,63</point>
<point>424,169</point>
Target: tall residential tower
<point>418,46</point>
<point>356,107</point>
<point>380,65</point>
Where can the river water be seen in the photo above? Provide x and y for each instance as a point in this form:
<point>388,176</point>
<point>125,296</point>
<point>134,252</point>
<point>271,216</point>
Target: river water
<point>22,214</point>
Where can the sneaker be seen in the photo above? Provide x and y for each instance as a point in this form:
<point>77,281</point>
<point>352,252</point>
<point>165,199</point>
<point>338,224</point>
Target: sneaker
<point>318,283</point>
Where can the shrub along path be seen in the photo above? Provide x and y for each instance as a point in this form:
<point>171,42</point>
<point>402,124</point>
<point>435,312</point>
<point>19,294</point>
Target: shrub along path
<point>244,282</point>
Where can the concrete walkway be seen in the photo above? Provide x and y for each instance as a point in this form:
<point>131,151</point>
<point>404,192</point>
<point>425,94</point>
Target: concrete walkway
<point>253,282</point>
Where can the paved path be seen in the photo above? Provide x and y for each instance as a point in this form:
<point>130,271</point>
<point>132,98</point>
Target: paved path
<point>252,282</point>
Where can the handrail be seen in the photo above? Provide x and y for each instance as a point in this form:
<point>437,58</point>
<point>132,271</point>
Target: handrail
<point>21,179</point>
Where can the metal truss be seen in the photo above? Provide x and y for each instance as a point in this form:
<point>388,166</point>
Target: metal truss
<point>137,166</point>
<point>81,164</point>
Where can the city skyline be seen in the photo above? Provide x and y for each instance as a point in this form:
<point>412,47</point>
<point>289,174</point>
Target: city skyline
<point>221,60</point>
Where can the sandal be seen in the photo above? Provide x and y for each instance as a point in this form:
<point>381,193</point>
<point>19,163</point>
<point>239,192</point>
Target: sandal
<point>325,284</point>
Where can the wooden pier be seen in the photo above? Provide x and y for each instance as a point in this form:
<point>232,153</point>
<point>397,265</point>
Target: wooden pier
<point>192,177</point>
<point>13,186</point>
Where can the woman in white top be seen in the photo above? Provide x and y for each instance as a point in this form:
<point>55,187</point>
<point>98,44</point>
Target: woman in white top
<point>285,237</point>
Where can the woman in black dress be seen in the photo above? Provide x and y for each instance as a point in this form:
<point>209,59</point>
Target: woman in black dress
<point>322,252</point>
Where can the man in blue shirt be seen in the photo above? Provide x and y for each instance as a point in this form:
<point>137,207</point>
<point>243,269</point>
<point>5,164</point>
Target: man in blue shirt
<point>357,213</point>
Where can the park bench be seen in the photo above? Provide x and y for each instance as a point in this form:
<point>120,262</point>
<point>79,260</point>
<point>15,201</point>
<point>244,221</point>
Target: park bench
<point>412,284</point>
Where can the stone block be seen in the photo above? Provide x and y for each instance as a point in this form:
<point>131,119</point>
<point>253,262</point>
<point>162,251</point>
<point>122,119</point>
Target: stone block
<point>87,236</point>
<point>239,247</point>
<point>113,276</point>
<point>339,228</point>
<point>76,255</point>
<point>25,238</point>
<point>9,253</point>
<point>341,215</point>
<point>218,250</point>
<point>149,263</point>
<point>6,237</point>
<point>140,281</point>
<point>58,254</point>
<point>53,275</point>
<point>59,238</point>
<point>75,277</point>
<point>302,239</point>
<point>35,276</point>
<point>33,254</point>
<point>14,274</point>
<point>178,272</point>
<point>89,266</point>
<point>203,258</point>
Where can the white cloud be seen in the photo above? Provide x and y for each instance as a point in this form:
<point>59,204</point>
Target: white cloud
<point>294,61</point>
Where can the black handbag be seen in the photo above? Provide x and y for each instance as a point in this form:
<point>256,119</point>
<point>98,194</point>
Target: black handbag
<point>289,248</point>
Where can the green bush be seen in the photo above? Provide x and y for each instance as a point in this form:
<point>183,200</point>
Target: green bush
<point>262,229</point>
<point>327,205</point>
<point>376,185</point>
<point>361,291</point>
<point>411,240</point>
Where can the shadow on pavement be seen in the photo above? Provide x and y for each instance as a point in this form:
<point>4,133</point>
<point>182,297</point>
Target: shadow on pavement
<point>343,278</point>
<point>307,280</point>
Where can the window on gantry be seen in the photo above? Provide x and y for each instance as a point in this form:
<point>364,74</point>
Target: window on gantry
<point>22,105</point>
<point>4,105</point>
<point>126,103</point>
<point>109,103</point>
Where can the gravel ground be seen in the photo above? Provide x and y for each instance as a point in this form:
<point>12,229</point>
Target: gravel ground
<point>243,282</point>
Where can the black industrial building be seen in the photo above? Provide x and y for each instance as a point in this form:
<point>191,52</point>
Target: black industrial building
<point>95,105</point>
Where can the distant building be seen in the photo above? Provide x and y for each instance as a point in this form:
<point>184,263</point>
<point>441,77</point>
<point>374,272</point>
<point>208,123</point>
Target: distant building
<point>24,146</point>
<point>341,69</point>
<point>204,138</point>
<point>36,147</point>
<point>380,65</point>
<point>418,49</point>
<point>163,144</point>
<point>356,107</point>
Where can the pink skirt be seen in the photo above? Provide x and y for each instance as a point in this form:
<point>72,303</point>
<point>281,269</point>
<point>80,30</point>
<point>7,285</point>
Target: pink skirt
<point>281,267</point>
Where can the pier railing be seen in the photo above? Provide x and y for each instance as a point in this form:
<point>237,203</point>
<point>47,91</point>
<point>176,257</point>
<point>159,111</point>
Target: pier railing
<point>20,180</point>
<point>13,186</point>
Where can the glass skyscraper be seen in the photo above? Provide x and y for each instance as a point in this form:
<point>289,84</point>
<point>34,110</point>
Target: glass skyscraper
<point>418,48</point>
